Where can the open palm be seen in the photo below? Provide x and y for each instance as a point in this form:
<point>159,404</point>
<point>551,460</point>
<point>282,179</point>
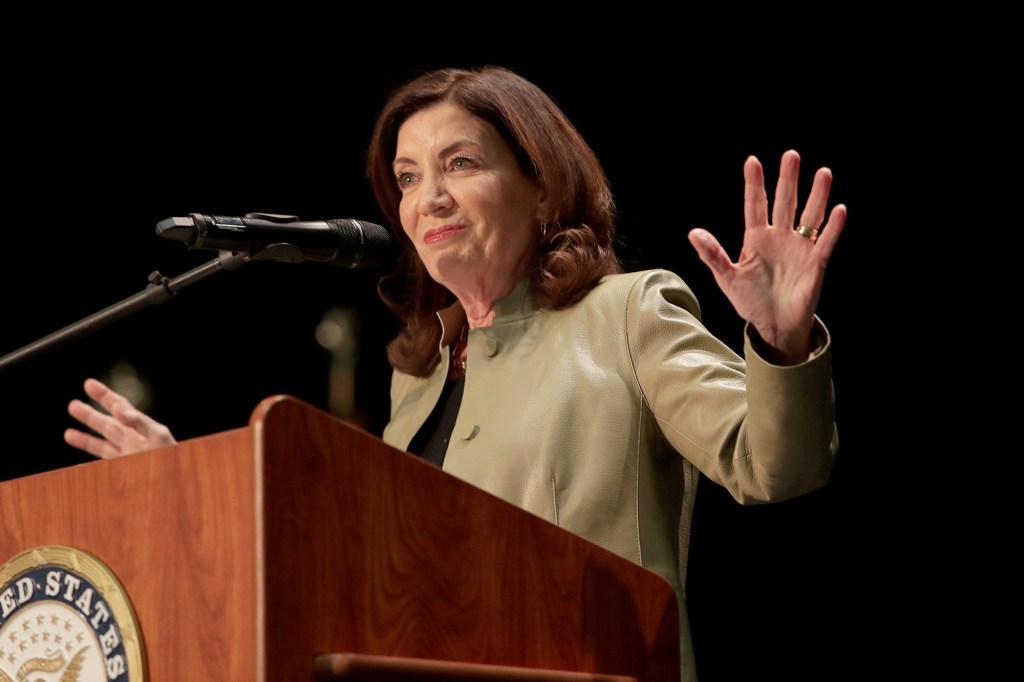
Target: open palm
<point>775,284</point>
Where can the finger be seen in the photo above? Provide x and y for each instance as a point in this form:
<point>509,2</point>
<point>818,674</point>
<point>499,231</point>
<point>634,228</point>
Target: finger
<point>147,430</point>
<point>139,422</point>
<point>710,251</point>
<point>784,206</point>
<point>755,198</point>
<point>104,395</point>
<point>97,447</point>
<point>814,212</point>
<point>105,425</point>
<point>829,234</point>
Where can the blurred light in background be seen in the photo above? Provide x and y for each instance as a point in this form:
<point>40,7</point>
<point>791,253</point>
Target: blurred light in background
<point>125,379</point>
<point>337,332</point>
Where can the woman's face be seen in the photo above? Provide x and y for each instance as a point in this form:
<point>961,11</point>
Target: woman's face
<point>470,211</point>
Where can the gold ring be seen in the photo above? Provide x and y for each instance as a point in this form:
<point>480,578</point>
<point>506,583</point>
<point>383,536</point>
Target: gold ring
<point>806,232</point>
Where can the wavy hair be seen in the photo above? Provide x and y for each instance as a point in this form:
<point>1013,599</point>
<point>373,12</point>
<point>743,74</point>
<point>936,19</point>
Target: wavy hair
<point>578,248</point>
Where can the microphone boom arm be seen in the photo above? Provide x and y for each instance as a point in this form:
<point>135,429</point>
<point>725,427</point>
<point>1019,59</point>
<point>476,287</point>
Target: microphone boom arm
<point>159,290</point>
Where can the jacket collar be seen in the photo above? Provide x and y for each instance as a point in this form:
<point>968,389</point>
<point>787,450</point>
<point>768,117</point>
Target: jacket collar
<point>517,303</point>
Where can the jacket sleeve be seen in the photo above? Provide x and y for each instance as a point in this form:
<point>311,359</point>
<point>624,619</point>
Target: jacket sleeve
<point>765,432</point>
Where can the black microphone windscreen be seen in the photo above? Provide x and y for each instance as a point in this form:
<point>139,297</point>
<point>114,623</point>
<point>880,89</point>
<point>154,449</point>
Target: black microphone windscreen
<point>372,243</point>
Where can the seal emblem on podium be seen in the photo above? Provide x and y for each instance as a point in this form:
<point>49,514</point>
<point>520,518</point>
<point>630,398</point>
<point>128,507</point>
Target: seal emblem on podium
<point>64,616</point>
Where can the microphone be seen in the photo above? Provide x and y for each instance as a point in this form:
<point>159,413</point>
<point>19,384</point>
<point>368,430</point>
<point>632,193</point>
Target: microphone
<point>343,242</point>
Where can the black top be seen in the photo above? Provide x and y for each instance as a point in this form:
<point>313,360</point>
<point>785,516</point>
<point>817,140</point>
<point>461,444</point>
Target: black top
<point>431,441</point>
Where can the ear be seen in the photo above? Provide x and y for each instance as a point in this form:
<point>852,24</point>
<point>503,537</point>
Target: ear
<point>543,211</point>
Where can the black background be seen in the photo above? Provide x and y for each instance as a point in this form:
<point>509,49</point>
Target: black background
<point>101,149</point>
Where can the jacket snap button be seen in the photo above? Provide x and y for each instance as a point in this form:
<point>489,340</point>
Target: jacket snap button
<point>472,434</point>
<point>492,347</point>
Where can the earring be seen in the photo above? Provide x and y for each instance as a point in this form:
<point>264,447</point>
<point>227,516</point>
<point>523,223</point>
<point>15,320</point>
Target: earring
<point>543,228</point>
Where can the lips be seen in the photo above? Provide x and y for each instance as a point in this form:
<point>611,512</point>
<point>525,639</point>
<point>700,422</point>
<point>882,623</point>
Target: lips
<point>439,234</point>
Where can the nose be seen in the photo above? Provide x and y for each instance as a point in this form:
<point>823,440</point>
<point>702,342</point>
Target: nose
<point>435,196</point>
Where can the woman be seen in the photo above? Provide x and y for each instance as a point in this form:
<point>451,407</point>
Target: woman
<point>529,365</point>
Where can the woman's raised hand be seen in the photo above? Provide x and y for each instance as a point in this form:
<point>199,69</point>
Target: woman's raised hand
<point>123,430</point>
<point>775,284</point>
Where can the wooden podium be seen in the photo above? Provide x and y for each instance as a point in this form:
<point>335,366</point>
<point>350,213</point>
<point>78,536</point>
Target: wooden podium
<point>303,548</point>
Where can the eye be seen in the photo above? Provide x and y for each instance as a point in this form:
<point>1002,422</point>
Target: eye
<point>462,162</point>
<point>405,179</point>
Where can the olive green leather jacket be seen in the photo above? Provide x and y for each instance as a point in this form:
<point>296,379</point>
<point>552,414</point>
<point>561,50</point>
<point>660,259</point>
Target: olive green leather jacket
<point>599,417</point>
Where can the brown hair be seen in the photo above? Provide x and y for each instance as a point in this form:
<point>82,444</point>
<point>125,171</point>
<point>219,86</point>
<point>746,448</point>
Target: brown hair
<point>579,246</point>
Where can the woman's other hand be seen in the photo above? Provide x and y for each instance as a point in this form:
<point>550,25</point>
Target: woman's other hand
<point>123,430</point>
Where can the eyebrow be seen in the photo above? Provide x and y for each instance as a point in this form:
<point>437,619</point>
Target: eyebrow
<point>441,154</point>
